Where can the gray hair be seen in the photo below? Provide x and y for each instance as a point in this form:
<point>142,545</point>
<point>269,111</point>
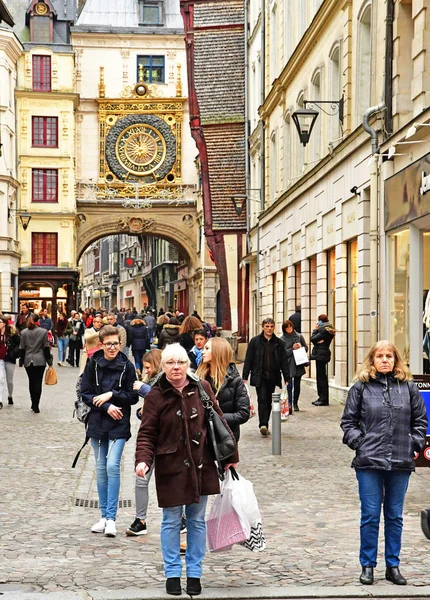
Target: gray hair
<point>174,352</point>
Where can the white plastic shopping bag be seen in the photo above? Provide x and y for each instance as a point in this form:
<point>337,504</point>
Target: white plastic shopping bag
<point>245,504</point>
<point>300,356</point>
<point>285,409</point>
<point>251,402</point>
<point>224,526</point>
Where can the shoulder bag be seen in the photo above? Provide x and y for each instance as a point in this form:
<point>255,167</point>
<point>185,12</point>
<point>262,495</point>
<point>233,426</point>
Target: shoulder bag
<point>219,435</point>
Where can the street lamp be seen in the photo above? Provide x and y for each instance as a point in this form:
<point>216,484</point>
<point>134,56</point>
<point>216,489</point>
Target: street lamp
<point>304,118</point>
<point>25,221</point>
<point>239,203</point>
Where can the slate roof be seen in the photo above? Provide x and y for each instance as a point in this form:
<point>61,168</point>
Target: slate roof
<point>114,13</point>
<point>219,70</point>
<point>66,10</point>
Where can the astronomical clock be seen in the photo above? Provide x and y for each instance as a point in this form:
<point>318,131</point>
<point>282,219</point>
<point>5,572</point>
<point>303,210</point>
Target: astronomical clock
<point>140,139</point>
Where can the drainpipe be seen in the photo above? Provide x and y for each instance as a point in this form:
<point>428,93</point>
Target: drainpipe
<point>388,83</point>
<point>263,152</point>
<point>373,233</point>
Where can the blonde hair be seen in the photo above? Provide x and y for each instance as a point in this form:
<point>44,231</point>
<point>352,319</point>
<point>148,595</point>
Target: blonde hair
<point>367,370</point>
<point>222,356</point>
<point>153,358</point>
<point>162,320</point>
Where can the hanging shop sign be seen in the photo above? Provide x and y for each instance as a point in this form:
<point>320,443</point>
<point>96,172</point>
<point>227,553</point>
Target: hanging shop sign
<point>406,197</point>
<point>423,383</point>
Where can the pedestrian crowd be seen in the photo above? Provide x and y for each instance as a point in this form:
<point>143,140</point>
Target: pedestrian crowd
<point>178,365</point>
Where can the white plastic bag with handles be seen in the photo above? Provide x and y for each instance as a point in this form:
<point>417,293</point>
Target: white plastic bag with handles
<point>245,504</point>
<point>224,525</point>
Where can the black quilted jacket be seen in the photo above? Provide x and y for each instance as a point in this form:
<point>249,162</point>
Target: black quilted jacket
<point>385,422</point>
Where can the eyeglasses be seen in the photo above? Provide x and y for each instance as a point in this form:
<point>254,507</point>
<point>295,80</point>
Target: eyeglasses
<point>111,344</point>
<point>173,363</point>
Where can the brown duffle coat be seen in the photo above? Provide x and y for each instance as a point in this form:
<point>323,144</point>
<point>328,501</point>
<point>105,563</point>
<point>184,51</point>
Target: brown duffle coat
<point>173,434</point>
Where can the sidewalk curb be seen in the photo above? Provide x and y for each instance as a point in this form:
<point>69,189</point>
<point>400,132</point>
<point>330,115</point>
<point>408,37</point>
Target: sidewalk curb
<point>271,593</point>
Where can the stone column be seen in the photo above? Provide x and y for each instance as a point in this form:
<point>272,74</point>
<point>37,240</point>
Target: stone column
<point>341,324</point>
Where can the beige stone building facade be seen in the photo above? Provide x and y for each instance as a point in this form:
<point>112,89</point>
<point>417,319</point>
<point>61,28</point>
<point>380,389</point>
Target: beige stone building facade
<point>45,105</point>
<point>319,237</point>
<point>10,50</point>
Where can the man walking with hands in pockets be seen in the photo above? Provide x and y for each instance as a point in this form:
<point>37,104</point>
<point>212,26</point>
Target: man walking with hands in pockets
<point>266,359</point>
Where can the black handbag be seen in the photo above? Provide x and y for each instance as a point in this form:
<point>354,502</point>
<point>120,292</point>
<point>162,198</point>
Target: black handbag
<point>219,435</point>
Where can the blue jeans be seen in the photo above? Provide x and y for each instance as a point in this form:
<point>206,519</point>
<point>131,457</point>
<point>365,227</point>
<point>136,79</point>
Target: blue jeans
<point>377,487</point>
<point>296,381</point>
<point>62,343</point>
<point>196,539</point>
<point>137,355</point>
<point>108,460</point>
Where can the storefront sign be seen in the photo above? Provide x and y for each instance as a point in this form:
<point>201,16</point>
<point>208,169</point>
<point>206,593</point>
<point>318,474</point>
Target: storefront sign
<point>405,194</point>
<point>423,383</point>
<point>129,293</point>
<point>425,183</point>
<point>179,286</point>
<point>29,293</point>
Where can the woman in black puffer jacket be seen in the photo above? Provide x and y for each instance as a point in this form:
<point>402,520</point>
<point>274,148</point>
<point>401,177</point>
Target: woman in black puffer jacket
<point>217,367</point>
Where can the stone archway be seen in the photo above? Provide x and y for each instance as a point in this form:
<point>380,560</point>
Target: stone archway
<point>176,224</point>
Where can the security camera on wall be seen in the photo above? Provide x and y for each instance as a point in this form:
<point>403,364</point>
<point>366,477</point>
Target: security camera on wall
<point>354,190</point>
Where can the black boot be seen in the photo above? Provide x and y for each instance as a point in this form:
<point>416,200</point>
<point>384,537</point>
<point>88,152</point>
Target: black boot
<point>193,586</point>
<point>173,586</point>
<point>425,522</point>
<point>10,400</point>
<point>296,406</point>
<point>366,577</point>
<point>393,574</point>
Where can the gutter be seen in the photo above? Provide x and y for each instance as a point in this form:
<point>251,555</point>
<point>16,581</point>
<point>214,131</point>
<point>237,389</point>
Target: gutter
<point>372,110</point>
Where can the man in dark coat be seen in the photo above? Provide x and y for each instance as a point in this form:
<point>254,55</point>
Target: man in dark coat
<point>321,338</point>
<point>24,315</point>
<point>296,319</point>
<point>265,359</point>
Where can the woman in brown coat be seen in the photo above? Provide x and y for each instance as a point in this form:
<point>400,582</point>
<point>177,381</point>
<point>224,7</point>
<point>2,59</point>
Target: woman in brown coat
<point>173,435</point>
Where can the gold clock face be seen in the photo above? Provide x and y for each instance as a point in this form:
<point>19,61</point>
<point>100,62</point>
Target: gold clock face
<point>140,149</point>
<point>41,8</point>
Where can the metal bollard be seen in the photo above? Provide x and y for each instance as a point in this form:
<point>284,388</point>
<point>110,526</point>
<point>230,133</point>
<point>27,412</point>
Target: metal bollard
<point>276,424</point>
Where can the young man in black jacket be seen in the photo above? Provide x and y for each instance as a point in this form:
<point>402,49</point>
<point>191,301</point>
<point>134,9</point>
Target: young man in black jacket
<point>107,388</point>
<point>266,358</point>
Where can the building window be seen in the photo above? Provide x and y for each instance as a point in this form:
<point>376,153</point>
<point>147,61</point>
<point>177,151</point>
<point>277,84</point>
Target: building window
<point>44,249</point>
<point>41,73</point>
<point>45,185</point>
<point>364,61</point>
<point>335,83</point>
<point>151,13</point>
<point>45,132</point>
<point>315,145</point>
<point>153,68</point>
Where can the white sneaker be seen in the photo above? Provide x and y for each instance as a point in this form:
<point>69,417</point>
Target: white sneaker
<point>100,526</point>
<point>110,529</point>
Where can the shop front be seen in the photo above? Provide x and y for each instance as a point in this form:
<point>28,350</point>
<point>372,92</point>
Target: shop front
<point>407,229</point>
<point>55,291</point>
<point>180,292</point>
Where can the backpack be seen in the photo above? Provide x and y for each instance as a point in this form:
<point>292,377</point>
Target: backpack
<point>82,410</point>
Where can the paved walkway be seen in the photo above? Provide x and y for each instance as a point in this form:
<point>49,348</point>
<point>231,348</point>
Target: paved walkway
<point>307,496</point>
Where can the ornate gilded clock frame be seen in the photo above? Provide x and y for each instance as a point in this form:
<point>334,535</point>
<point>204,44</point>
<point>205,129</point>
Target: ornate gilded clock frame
<point>164,115</point>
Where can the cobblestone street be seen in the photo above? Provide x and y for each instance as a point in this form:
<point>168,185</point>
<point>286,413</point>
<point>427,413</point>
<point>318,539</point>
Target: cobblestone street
<point>308,499</point>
